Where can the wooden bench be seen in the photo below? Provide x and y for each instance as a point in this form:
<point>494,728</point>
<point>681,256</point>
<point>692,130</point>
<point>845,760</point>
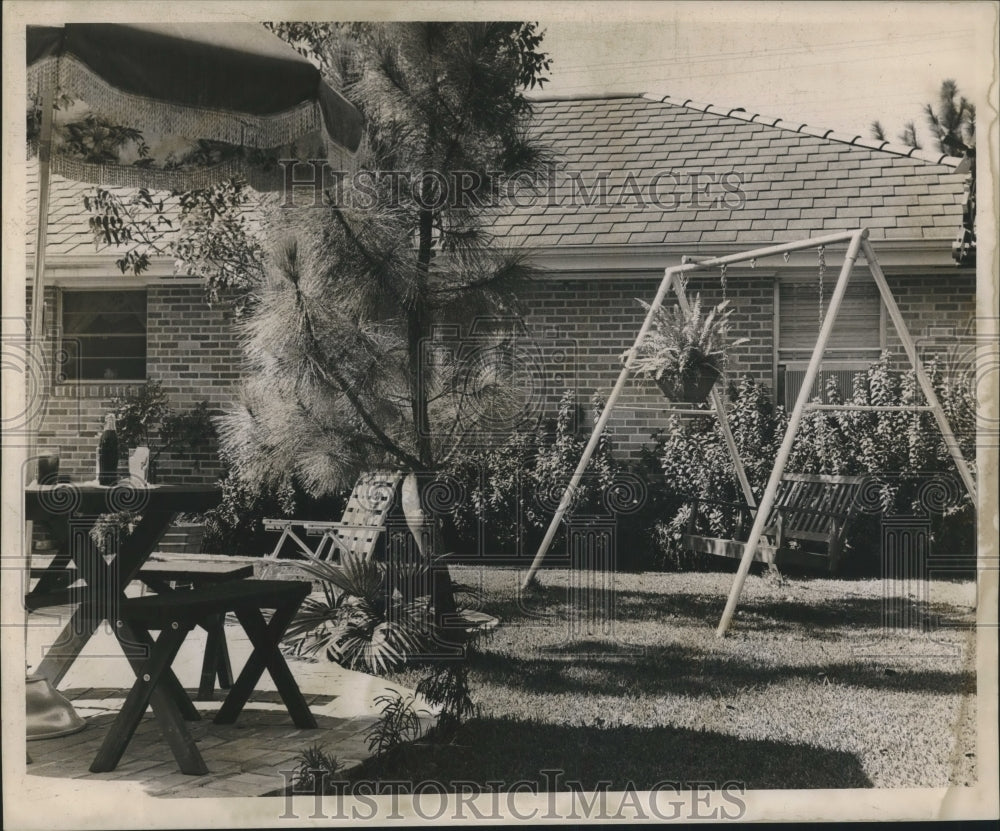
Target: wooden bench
<point>179,562</point>
<point>175,614</point>
<point>165,576</point>
<point>806,526</point>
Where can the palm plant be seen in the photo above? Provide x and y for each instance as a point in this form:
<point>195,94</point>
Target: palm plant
<point>366,619</point>
<point>682,347</point>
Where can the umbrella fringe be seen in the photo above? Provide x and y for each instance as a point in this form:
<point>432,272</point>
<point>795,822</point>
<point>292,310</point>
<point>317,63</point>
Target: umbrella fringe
<point>262,132</point>
<point>260,178</point>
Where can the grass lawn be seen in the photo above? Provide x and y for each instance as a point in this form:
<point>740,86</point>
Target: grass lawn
<point>628,683</point>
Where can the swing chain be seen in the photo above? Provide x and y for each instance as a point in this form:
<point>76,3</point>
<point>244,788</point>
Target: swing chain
<point>822,276</point>
<point>722,277</point>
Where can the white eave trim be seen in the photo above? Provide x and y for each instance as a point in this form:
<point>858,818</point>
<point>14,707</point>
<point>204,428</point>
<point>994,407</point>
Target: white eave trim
<point>100,271</point>
<point>603,261</point>
<point>558,261</point>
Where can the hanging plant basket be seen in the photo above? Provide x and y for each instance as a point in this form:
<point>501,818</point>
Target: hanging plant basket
<point>692,389</point>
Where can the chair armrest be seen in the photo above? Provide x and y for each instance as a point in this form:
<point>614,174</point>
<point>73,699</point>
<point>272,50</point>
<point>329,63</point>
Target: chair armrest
<point>315,526</point>
<point>327,527</point>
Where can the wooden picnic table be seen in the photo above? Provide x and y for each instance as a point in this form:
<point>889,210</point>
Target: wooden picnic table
<point>70,510</point>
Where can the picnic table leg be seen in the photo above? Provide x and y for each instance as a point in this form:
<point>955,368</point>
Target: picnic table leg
<point>70,643</point>
<point>138,650</point>
<point>216,660</point>
<point>265,638</point>
<point>225,668</point>
<point>54,576</point>
<point>97,573</point>
<point>149,690</point>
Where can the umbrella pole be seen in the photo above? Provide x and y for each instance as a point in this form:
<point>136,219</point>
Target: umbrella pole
<point>35,723</point>
<point>35,334</point>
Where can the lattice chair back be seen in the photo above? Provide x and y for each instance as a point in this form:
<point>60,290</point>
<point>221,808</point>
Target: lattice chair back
<point>363,522</point>
<point>358,531</point>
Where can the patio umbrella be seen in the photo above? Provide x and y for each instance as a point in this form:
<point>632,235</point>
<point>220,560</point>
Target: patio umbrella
<point>232,83</point>
<point>237,84</point>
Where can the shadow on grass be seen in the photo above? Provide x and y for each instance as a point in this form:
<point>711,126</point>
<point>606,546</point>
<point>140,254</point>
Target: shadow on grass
<point>855,612</point>
<point>551,603</point>
<point>683,671</point>
<point>509,751</point>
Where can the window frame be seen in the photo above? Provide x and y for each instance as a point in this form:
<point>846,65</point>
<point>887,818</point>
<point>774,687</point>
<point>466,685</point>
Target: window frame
<point>782,364</point>
<point>62,291</point>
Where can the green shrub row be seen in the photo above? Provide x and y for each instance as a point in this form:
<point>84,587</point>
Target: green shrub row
<point>514,486</point>
<point>506,493</point>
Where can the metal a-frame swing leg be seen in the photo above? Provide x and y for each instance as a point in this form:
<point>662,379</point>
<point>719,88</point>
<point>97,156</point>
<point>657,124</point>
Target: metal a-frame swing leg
<point>925,382</point>
<point>859,241</point>
<point>670,279</point>
<point>770,492</point>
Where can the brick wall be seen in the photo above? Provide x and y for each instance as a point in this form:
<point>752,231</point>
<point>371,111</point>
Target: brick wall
<point>191,350</point>
<point>578,329</point>
<point>600,319</point>
<point>939,309</point>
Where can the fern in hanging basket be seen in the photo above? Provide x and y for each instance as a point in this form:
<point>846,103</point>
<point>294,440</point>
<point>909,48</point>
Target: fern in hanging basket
<point>684,354</point>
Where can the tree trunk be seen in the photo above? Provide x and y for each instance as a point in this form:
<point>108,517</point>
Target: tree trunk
<point>422,527</point>
<point>416,331</point>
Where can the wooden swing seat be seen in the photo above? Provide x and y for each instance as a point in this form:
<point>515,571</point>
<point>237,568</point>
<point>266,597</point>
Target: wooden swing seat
<point>805,528</point>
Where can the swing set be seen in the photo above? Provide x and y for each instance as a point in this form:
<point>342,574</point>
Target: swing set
<point>767,515</point>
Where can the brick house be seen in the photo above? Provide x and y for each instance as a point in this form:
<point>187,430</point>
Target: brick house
<point>640,183</point>
<point>110,333</point>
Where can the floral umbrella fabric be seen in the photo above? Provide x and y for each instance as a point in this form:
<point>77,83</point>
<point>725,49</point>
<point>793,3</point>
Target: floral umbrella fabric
<point>238,85</point>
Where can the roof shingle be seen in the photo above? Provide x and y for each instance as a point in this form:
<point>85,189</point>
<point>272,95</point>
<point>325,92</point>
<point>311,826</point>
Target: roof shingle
<point>682,172</point>
<point>706,172</point>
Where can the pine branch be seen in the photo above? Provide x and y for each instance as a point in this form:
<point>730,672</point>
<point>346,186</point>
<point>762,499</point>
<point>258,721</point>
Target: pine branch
<point>335,380</point>
<point>374,262</point>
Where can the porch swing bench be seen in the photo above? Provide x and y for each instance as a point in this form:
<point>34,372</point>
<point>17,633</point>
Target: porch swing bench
<point>805,527</point>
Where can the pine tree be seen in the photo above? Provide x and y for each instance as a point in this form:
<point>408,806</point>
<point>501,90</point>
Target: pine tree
<point>349,363</point>
<point>953,123</point>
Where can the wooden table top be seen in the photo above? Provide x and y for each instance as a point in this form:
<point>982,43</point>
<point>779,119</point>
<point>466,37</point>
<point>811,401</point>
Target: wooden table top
<point>64,498</point>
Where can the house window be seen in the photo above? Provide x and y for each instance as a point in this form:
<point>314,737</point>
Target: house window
<point>857,338</point>
<point>104,335</point>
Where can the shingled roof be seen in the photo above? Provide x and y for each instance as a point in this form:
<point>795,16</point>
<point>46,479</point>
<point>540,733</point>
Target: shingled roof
<point>68,233</point>
<point>793,181</point>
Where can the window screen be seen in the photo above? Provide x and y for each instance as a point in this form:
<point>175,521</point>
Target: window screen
<point>856,339</point>
<point>856,333</point>
<point>104,335</point>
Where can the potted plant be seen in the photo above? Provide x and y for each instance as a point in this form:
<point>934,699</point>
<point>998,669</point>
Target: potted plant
<point>146,423</point>
<point>684,353</point>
